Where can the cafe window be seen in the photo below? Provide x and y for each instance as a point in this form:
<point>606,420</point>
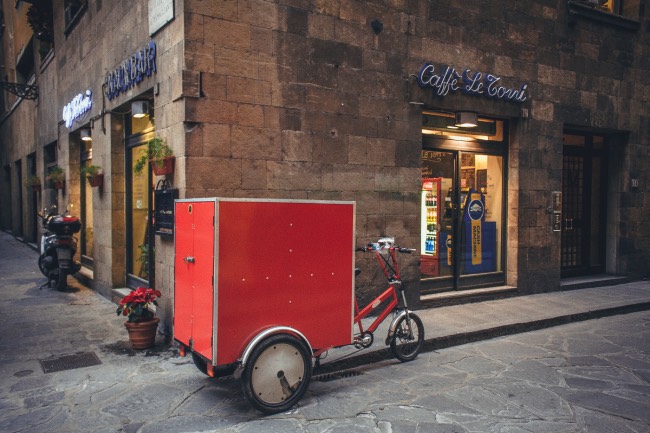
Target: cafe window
<point>463,197</point>
<point>25,64</point>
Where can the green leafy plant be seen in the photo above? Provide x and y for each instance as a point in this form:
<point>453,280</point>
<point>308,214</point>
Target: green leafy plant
<point>40,17</point>
<point>90,171</point>
<point>33,180</point>
<point>56,174</point>
<point>157,150</point>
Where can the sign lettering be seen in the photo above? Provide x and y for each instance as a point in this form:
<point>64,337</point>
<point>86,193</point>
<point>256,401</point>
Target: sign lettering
<point>447,79</point>
<point>80,105</point>
<point>131,72</point>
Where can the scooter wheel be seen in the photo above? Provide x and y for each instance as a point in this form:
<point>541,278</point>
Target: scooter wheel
<point>61,281</point>
<point>41,266</point>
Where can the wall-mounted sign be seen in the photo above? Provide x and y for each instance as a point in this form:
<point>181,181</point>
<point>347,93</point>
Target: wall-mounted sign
<point>160,13</point>
<point>556,198</point>
<point>80,105</point>
<point>131,71</point>
<point>164,211</point>
<point>446,79</point>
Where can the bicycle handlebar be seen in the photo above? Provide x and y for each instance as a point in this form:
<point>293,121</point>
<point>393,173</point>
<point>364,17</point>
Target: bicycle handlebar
<point>371,248</point>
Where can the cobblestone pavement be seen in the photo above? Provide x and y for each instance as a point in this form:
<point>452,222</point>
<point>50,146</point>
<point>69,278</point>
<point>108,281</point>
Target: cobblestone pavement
<point>590,376</point>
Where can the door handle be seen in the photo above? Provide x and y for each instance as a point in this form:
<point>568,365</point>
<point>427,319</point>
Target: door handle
<point>568,224</point>
<point>189,259</point>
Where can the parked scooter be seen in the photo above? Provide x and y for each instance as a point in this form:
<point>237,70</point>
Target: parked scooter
<point>58,246</point>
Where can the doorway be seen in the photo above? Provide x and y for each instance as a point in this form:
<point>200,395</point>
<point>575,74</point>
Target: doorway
<point>139,238</point>
<point>86,198</point>
<point>462,206</point>
<point>584,204</point>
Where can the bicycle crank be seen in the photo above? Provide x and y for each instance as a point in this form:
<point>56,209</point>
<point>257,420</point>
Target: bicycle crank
<point>364,340</point>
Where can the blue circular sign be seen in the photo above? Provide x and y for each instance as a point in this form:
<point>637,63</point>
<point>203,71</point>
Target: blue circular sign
<point>475,210</point>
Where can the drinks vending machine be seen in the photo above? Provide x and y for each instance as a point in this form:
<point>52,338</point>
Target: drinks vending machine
<point>430,230</point>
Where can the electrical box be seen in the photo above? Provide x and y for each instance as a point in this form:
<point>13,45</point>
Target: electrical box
<point>244,265</point>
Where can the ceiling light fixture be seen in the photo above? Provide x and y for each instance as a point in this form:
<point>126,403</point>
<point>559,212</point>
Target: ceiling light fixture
<point>85,134</point>
<point>139,109</point>
<point>466,119</point>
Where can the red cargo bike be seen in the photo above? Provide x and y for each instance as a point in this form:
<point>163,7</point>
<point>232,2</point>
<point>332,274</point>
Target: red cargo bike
<point>263,288</point>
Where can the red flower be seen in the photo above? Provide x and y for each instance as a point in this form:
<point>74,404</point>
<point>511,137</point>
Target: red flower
<point>136,304</point>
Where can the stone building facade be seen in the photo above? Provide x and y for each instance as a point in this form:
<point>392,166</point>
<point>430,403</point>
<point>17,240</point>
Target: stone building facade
<point>349,100</point>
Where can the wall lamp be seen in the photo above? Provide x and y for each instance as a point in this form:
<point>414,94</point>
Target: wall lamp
<point>85,134</point>
<point>466,119</point>
<point>139,109</point>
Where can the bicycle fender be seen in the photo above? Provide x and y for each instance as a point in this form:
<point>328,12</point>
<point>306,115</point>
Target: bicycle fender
<point>261,336</point>
<point>393,325</point>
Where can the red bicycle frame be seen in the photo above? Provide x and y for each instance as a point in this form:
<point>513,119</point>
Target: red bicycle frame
<point>391,269</point>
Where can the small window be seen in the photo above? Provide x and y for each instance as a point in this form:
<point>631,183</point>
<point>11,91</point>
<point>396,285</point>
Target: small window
<point>625,13</point>
<point>73,9</point>
<point>25,64</point>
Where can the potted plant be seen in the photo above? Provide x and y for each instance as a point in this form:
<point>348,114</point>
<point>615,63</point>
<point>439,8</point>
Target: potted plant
<point>92,175</point>
<point>159,155</point>
<point>57,176</point>
<point>34,182</point>
<point>141,323</point>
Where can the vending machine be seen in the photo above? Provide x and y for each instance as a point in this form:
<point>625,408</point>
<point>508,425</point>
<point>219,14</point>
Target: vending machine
<point>430,230</point>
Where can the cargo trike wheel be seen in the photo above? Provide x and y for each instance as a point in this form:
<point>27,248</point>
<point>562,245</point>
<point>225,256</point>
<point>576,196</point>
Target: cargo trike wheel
<point>277,373</point>
<point>408,338</point>
<point>200,363</point>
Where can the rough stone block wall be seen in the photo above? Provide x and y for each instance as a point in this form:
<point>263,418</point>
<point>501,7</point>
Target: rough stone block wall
<point>304,100</point>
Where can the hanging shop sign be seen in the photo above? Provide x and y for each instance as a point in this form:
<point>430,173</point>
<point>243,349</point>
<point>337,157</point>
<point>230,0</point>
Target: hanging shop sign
<point>446,79</point>
<point>80,105</point>
<point>131,71</point>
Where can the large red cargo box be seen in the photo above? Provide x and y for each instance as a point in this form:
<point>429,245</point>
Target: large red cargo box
<point>245,265</point>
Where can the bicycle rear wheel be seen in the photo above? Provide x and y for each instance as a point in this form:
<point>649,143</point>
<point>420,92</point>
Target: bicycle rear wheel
<point>408,338</point>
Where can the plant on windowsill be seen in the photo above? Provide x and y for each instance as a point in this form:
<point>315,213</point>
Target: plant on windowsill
<point>141,324</point>
<point>159,155</point>
<point>57,176</point>
<point>40,17</point>
<point>34,182</point>
<point>93,175</point>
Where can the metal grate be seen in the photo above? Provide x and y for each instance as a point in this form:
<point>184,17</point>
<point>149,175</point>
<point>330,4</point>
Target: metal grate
<point>69,362</point>
<point>329,377</point>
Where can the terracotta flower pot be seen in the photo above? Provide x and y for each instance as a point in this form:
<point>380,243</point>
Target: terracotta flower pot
<point>142,334</point>
<point>96,180</point>
<point>36,188</point>
<point>163,166</point>
<point>58,184</point>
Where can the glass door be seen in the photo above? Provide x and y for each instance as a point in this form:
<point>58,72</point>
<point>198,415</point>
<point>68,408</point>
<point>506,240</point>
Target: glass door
<point>480,216</point>
<point>87,231</point>
<point>138,253</point>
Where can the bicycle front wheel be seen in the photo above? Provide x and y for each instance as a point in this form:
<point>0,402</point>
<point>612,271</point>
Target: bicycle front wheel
<point>408,338</point>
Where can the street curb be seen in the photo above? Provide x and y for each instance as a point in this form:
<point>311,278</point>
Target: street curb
<point>436,343</point>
